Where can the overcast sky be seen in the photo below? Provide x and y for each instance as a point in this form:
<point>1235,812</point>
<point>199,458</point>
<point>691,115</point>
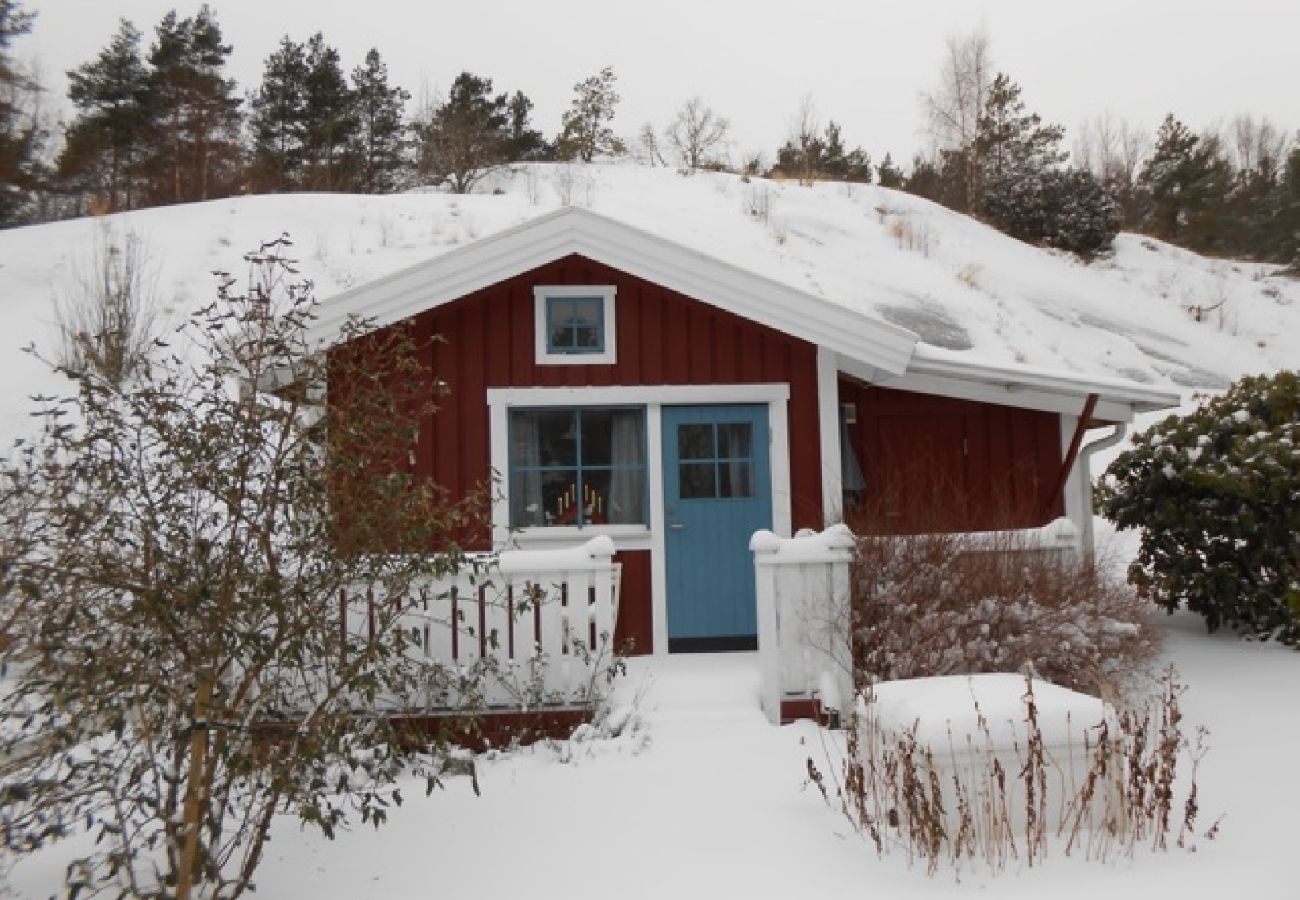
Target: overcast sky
<point>864,63</point>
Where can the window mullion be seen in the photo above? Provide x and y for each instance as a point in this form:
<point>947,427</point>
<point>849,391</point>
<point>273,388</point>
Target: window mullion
<point>581,518</point>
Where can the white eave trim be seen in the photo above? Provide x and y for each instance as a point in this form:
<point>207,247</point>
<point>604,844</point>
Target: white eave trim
<point>572,230</point>
<point>1118,400</point>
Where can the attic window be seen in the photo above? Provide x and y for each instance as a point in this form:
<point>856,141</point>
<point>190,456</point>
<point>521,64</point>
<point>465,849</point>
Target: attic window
<point>574,324</point>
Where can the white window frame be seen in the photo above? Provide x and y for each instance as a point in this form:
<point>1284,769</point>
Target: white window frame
<point>635,537</point>
<point>544,292</point>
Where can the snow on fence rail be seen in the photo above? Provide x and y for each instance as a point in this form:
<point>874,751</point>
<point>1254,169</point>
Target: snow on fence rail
<point>803,606</point>
<point>517,629</point>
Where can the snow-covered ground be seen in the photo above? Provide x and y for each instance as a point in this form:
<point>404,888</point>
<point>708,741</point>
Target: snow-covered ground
<point>702,797</point>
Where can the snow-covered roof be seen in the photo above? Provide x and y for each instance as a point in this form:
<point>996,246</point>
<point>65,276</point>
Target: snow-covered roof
<point>1142,324</point>
<point>573,230</point>
<point>865,344</point>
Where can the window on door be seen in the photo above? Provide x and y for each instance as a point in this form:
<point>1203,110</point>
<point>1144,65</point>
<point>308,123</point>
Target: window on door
<point>577,467</point>
<point>715,460</point>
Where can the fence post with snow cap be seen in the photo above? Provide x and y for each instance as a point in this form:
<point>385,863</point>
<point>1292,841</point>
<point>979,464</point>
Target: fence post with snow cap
<point>804,646</point>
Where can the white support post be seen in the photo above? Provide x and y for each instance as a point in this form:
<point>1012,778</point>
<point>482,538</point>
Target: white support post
<point>828,428</point>
<point>764,545</point>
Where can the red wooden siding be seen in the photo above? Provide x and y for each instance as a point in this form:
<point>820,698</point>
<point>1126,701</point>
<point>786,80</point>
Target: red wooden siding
<point>936,463</point>
<point>635,628</point>
<point>486,340</point>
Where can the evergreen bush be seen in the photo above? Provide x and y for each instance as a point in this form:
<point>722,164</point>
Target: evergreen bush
<point>1217,495</point>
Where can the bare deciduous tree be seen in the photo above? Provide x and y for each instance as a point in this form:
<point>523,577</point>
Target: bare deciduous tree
<point>1257,146</point>
<point>649,145</point>
<point>697,132</point>
<point>953,109</point>
<point>804,137</point>
<point>1113,150</point>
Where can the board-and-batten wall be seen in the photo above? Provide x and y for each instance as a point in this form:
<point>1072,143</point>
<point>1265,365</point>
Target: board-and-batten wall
<point>984,466</point>
<point>486,340</point>
<point>941,464</point>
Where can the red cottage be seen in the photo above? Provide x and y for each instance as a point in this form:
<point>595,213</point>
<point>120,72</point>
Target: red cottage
<point>617,383</point>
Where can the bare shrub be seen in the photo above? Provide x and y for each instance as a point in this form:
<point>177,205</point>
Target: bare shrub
<point>107,319</point>
<point>980,800</point>
<point>945,604</point>
<point>908,236</point>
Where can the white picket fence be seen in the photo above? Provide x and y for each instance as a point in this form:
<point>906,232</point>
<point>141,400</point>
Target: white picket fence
<point>803,607</point>
<point>517,630</point>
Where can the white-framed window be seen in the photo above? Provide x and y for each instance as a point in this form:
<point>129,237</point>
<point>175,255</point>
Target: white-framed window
<point>574,324</point>
<point>578,466</point>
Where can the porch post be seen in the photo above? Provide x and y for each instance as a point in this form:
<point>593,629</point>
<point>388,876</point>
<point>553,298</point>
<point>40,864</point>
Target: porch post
<point>828,426</point>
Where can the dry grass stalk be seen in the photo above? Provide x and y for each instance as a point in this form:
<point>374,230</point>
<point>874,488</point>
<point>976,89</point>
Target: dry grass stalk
<point>976,810</point>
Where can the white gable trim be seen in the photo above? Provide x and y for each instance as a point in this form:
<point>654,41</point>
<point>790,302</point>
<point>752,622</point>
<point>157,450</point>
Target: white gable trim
<point>578,231</point>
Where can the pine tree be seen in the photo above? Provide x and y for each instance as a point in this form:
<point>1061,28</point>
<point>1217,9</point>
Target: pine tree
<point>1187,179</point>
<point>1012,146</point>
<point>193,110</point>
<point>331,120</point>
<point>924,180</point>
<point>278,120</point>
<point>1023,189</point>
<point>888,175</point>
<point>526,143</point>
<point>380,139</point>
<point>809,155</point>
<point>1286,236</point>
<point>837,164</point>
<point>106,142</point>
<point>21,132</point>
<point>468,135</point>
<point>585,130</point>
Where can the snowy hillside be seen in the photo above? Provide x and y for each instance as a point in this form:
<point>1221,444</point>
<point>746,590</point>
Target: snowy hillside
<point>959,285</point>
<point>697,775</point>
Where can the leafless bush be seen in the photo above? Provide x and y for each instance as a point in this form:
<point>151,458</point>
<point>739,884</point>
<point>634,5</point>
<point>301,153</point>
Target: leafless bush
<point>909,236</point>
<point>107,320</point>
<point>943,604</point>
<point>978,801</point>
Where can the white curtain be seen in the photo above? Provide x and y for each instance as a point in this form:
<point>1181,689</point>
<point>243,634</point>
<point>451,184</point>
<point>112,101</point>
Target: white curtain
<point>525,480</point>
<point>627,456</point>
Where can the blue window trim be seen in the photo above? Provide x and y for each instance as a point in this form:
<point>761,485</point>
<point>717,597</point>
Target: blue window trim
<point>573,348</point>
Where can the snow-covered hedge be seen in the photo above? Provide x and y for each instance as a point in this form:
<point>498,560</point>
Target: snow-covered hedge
<point>955,604</point>
<point>1217,496</point>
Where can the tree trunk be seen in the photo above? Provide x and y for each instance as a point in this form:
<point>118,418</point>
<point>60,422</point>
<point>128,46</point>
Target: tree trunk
<point>195,789</point>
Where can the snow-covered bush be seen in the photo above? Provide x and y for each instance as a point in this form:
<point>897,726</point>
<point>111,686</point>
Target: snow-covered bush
<point>1067,209</point>
<point>172,580</point>
<point>1217,496</point>
<point>946,604</point>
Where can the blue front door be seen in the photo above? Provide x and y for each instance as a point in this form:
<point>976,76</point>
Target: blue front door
<point>717,493</point>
